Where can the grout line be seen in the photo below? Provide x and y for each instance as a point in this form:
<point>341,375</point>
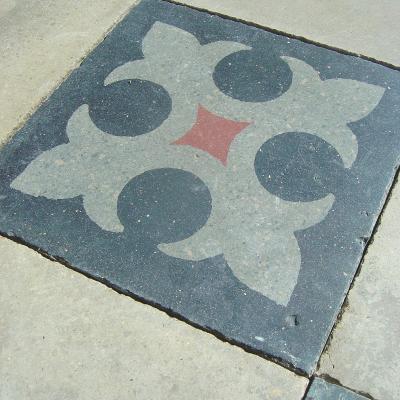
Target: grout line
<point>288,35</point>
<point>170,312</point>
<point>308,388</point>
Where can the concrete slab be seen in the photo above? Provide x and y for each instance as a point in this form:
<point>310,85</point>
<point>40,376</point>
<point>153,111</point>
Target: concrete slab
<point>322,390</point>
<point>40,42</point>
<point>64,336</point>
<point>364,27</point>
<point>201,191</point>
<point>361,354</point>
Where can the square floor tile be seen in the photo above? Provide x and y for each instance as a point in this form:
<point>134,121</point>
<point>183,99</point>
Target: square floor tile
<point>226,174</point>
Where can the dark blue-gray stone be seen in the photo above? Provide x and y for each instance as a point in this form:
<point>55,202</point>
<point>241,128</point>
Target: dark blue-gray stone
<point>129,107</point>
<point>322,390</point>
<point>148,205</point>
<point>253,75</point>
<point>298,166</point>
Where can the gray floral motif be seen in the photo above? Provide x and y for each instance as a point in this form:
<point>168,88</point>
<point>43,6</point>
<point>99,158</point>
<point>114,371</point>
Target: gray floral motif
<point>252,228</point>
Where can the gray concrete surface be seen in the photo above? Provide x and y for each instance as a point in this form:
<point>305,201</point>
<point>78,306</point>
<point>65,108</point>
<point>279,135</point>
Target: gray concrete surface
<point>64,336</point>
<point>40,42</point>
<point>364,353</point>
<point>361,26</point>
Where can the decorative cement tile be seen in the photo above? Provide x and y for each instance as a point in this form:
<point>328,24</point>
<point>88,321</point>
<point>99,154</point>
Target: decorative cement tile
<point>321,390</point>
<point>224,173</point>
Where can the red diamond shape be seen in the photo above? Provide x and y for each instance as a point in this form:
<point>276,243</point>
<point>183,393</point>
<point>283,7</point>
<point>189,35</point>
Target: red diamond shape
<point>212,133</point>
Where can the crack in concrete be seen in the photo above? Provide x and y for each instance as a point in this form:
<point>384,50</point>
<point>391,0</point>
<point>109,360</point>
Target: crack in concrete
<point>308,388</point>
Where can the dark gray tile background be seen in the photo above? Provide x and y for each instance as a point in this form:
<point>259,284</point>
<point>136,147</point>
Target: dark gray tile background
<point>206,293</point>
<point>321,390</point>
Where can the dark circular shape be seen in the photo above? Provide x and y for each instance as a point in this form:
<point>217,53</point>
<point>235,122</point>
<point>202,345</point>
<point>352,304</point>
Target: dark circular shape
<point>164,205</point>
<point>129,107</point>
<point>250,75</point>
<point>298,166</point>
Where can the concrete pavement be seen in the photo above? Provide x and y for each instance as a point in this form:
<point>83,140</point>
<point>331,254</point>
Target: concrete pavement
<point>43,313</point>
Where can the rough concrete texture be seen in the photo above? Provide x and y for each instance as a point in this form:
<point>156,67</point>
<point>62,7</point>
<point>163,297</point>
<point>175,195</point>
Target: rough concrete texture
<point>362,26</point>
<point>64,336</point>
<point>363,354</point>
<point>40,42</point>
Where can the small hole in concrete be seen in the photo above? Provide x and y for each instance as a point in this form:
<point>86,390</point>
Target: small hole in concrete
<point>292,320</point>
